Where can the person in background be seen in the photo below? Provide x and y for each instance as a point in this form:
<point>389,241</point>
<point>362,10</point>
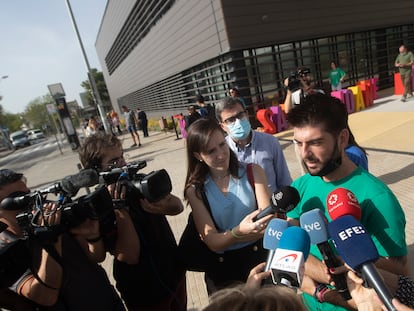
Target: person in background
<point>336,77</point>
<point>131,123</point>
<point>251,146</point>
<point>299,86</point>
<point>92,128</point>
<point>214,173</point>
<point>206,111</point>
<point>192,116</point>
<point>355,152</point>
<point>235,93</point>
<point>156,282</point>
<point>404,62</point>
<point>143,121</point>
<point>320,130</point>
<point>115,121</point>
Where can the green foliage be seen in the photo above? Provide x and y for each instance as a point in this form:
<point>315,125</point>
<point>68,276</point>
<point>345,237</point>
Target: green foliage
<point>35,114</point>
<point>100,85</point>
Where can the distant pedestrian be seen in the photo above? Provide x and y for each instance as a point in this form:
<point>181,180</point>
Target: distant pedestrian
<point>206,110</point>
<point>92,127</point>
<point>234,92</point>
<point>404,63</point>
<point>115,121</point>
<point>142,121</point>
<point>336,77</point>
<point>192,116</point>
<point>131,124</point>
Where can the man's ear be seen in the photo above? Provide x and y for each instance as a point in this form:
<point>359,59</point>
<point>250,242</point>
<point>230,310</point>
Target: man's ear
<point>344,138</point>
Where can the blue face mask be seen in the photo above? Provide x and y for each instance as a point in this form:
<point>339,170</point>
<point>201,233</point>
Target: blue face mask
<point>240,129</point>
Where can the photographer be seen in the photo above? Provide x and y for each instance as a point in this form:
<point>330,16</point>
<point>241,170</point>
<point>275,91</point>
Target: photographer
<point>299,85</point>
<point>58,273</point>
<point>157,281</point>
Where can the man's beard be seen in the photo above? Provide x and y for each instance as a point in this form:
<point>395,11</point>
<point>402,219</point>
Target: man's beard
<point>332,164</point>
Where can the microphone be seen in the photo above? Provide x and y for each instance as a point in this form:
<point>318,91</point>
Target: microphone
<point>288,263</point>
<point>357,249</point>
<point>271,238</point>
<point>71,184</point>
<point>282,202</point>
<point>315,223</point>
<point>340,202</point>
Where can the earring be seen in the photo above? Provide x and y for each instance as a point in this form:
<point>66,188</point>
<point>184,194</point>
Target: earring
<point>200,160</point>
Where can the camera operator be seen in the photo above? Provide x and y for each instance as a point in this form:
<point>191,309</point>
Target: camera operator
<point>299,85</point>
<point>61,274</point>
<point>157,281</point>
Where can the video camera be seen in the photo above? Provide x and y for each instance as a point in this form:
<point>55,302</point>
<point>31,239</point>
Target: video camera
<point>294,82</point>
<point>153,186</point>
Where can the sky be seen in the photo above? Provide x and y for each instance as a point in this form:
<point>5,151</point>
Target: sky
<point>39,47</point>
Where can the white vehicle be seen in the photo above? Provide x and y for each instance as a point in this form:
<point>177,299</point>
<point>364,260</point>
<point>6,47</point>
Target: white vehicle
<point>35,134</point>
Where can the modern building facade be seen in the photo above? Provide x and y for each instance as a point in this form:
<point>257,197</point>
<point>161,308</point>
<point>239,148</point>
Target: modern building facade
<point>159,54</point>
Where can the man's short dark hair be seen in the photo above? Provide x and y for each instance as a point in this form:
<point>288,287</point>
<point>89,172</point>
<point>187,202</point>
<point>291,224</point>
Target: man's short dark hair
<point>8,177</point>
<point>319,109</point>
<point>199,98</point>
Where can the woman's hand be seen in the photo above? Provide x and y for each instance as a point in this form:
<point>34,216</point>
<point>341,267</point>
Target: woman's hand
<point>250,227</point>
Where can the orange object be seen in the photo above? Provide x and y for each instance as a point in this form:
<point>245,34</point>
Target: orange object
<point>264,117</point>
<point>398,85</point>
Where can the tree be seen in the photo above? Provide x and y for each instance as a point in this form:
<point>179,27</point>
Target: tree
<point>100,85</point>
<point>36,114</point>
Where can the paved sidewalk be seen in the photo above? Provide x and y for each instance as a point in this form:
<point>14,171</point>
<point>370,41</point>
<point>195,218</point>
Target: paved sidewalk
<point>385,130</point>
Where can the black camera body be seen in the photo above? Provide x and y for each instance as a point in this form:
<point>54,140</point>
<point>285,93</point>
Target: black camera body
<point>153,186</point>
<point>293,82</point>
<point>95,205</point>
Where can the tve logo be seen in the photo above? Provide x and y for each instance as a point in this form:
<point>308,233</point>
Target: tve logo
<point>274,233</point>
<point>312,226</point>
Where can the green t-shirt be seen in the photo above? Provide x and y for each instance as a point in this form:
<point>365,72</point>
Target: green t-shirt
<point>405,58</point>
<point>382,214</point>
<point>335,75</point>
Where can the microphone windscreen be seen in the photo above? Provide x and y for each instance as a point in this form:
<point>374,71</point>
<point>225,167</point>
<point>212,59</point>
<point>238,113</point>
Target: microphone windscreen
<point>85,178</point>
<point>286,199</point>
<point>342,202</point>
<point>295,239</point>
<point>352,241</point>
<point>273,233</point>
<point>315,224</point>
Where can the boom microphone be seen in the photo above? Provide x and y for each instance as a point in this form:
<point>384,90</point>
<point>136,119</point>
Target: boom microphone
<point>71,184</point>
<point>342,202</point>
<point>315,223</point>
<point>282,202</point>
<point>271,238</point>
<point>357,249</point>
<point>288,263</point>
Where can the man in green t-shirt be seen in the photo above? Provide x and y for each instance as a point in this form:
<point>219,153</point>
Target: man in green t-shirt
<point>321,134</point>
<point>336,77</point>
<point>404,62</point>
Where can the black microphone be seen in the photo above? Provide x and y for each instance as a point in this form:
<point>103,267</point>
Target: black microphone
<point>70,185</point>
<point>357,249</point>
<point>282,202</point>
<point>315,223</point>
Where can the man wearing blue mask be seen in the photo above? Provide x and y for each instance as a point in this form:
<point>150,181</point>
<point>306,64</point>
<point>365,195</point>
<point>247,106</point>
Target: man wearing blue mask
<point>251,146</point>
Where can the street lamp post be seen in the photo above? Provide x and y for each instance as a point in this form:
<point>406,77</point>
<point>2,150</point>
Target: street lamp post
<point>95,93</point>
